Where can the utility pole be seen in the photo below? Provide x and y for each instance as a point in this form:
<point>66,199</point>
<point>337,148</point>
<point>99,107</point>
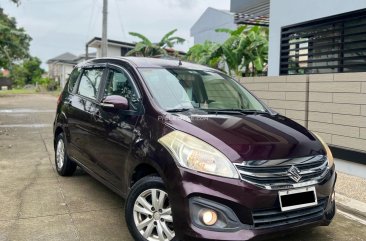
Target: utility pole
<point>104,30</point>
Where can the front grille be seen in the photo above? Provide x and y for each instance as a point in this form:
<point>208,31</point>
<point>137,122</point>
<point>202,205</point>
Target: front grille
<point>270,218</point>
<point>275,174</point>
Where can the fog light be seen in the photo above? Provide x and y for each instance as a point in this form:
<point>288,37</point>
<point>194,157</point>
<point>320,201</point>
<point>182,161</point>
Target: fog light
<point>208,217</point>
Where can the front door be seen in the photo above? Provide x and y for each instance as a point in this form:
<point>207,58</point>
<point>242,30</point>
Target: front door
<point>116,127</point>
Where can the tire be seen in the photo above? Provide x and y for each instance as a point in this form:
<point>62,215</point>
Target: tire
<point>153,218</point>
<point>64,166</point>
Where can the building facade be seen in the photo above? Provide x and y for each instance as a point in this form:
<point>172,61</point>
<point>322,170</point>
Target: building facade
<point>115,48</point>
<point>309,37</point>
<point>210,20</point>
<point>60,67</point>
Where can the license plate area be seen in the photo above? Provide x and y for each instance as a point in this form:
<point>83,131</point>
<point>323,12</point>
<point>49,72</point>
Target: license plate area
<point>297,198</point>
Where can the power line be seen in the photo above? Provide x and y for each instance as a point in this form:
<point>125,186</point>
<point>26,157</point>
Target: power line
<point>120,20</point>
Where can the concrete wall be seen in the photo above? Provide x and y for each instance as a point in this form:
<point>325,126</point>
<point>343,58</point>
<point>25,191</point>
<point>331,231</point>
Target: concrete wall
<point>333,105</point>
<point>288,12</point>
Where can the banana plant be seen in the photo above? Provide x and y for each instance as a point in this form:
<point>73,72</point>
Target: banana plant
<point>245,49</point>
<point>202,54</point>
<point>147,48</point>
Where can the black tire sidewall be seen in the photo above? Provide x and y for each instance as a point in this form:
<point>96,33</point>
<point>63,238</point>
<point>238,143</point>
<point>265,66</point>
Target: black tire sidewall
<point>69,166</point>
<point>149,182</point>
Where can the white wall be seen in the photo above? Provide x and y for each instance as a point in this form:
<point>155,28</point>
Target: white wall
<point>113,51</point>
<point>210,20</point>
<point>288,12</point>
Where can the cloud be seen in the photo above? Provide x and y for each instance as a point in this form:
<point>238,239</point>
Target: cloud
<point>59,26</point>
<point>186,4</point>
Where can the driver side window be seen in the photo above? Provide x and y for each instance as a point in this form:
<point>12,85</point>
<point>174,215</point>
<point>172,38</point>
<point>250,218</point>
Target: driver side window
<point>119,83</point>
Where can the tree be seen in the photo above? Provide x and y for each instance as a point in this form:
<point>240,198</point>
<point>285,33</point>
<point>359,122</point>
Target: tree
<point>147,48</point>
<point>246,48</point>
<point>27,72</point>
<point>14,42</point>
<point>202,54</point>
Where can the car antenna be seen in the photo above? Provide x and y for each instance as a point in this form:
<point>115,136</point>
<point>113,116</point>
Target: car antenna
<point>180,62</point>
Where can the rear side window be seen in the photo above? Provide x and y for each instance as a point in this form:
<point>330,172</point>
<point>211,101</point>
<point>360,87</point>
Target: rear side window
<point>73,79</point>
<point>89,83</point>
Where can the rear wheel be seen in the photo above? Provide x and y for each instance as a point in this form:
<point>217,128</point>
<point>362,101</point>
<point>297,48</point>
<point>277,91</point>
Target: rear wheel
<point>64,166</point>
<point>148,212</point>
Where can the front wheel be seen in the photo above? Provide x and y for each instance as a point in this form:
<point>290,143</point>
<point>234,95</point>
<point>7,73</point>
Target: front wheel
<point>148,212</point>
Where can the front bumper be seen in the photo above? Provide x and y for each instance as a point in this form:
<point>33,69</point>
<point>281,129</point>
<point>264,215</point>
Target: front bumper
<point>244,200</point>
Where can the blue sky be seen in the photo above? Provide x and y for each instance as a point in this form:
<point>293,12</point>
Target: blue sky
<point>59,26</point>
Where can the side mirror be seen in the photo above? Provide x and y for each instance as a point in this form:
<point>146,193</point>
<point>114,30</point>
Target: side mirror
<point>115,102</point>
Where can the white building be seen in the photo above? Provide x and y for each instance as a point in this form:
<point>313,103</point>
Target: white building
<point>309,37</point>
<point>115,48</point>
<point>210,20</point>
<point>60,67</point>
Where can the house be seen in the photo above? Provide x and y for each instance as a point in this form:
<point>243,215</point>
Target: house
<point>210,20</point>
<point>5,83</point>
<point>317,56</point>
<point>115,48</point>
<point>119,48</point>
<point>61,66</point>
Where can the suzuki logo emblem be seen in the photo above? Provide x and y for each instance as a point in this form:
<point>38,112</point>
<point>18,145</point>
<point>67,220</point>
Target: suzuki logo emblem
<point>294,173</point>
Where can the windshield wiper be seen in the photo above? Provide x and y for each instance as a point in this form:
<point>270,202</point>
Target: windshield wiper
<point>177,110</point>
<point>238,111</point>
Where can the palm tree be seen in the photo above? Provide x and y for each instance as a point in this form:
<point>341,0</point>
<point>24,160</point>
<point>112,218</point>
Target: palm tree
<point>147,48</point>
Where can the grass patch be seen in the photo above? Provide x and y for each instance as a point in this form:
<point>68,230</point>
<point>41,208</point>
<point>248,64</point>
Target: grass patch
<point>17,91</point>
<point>28,91</point>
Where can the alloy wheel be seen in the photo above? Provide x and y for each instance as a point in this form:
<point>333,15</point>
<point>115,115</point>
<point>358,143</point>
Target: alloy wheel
<point>60,154</point>
<point>153,216</point>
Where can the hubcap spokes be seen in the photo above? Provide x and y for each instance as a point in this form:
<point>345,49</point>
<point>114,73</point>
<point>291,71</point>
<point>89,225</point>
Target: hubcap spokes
<point>60,154</point>
<point>152,215</point>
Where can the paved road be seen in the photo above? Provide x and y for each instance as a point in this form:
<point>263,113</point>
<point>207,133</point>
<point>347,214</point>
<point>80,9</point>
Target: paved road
<point>37,204</point>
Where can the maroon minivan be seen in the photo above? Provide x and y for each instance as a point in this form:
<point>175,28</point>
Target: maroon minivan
<point>195,154</point>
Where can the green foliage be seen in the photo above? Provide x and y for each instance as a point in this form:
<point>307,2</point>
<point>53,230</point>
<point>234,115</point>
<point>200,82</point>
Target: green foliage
<point>147,48</point>
<point>27,72</point>
<point>14,42</point>
<point>202,54</point>
<point>246,48</point>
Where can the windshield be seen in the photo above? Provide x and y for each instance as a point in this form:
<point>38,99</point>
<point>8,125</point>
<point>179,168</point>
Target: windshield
<point>176,89</point>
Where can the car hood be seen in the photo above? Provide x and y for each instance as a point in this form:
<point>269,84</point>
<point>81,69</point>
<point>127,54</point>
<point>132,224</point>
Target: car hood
<point>249,137</point>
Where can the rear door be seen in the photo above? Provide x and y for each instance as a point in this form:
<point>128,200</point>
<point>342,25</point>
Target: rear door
<point>83,106</point>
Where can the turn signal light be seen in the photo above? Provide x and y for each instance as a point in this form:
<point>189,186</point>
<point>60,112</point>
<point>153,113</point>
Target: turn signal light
<point>208,217</point>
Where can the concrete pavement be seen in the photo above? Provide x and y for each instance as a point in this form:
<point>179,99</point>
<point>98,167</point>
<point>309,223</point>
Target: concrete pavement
<point>37,204</point>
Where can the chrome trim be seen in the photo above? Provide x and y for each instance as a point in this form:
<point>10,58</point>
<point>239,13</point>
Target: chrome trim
<point>276,173</point>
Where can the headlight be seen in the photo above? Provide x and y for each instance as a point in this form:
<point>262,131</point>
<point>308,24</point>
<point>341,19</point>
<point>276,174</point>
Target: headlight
<point>327,150</point>
<point>197,155</point>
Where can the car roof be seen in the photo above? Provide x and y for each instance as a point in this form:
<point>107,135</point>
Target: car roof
<point>145,62</point>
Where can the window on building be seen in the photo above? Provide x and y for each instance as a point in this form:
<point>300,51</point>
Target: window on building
<point>330,45</point>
